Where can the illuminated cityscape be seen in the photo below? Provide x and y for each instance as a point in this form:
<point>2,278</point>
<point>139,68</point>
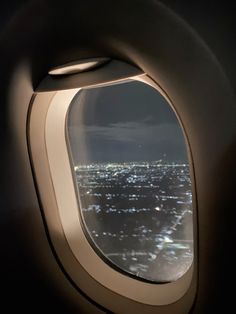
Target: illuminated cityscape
<point>130,160</point>
<point>139,216</point>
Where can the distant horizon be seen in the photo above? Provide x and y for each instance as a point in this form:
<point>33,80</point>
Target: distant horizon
<point>133,161</point>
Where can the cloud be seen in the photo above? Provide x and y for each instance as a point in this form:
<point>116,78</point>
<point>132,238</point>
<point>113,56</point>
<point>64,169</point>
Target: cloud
<point>132,132</point>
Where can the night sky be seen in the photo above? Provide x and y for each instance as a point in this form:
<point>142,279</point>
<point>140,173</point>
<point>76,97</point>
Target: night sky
<point>124,122</point>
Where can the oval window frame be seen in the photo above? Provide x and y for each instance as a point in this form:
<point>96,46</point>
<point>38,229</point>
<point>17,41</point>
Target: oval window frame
<point>49,153</point>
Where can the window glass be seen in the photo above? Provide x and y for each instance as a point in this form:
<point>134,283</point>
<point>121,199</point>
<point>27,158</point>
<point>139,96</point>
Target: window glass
<point>132,176</point>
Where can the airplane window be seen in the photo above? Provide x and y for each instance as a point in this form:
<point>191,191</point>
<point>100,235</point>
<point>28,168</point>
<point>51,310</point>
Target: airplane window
<point>130,164</point>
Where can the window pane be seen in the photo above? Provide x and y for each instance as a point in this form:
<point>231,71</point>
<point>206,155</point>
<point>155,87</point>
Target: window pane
<point>132,173</point>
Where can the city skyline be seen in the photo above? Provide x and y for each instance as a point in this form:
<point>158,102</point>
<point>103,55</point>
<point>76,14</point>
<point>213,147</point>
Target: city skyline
<point>139,216</point>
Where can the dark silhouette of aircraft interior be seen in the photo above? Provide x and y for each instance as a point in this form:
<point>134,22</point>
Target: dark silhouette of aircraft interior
<point>118,150</point>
